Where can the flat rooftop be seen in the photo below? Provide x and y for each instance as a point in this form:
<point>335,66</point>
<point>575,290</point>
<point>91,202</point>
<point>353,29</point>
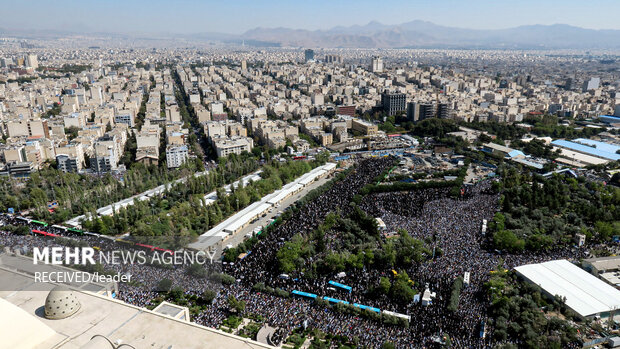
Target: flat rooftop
<point>241,218</point>
<point>498,147</point>
<point>605,263</point>
<point>581,158</point>
<point>604,146</point>
<point>592,149</point>
<point>585,294</point>
<point>113,319</point>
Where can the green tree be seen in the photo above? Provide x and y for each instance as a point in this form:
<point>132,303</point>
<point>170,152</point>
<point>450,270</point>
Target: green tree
<point>384,285</point>
<point>208,296</point>
<point>235,305</point>
<point>164,285</point>
<point>388,345</point>
<point>507,240</point>
<point>400,291</point>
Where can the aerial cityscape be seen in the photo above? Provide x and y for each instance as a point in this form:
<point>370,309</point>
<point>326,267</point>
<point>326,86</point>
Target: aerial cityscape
<point>434,178</point>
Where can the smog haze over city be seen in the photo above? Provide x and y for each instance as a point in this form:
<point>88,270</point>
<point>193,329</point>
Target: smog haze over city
<point>323,174</point>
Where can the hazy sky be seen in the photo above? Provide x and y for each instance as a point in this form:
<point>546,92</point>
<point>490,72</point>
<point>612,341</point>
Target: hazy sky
<point>237,16</point>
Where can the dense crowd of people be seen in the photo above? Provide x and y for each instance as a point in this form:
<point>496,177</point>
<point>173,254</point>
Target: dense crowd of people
<point>259,265</point>
<point>453,225</point>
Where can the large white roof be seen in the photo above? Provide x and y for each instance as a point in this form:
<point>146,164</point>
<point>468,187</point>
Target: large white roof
<point>241,218</point>
<point>19,329</point>
<point>585,294</point>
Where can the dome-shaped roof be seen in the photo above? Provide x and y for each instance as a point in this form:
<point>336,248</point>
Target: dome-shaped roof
<point>61,303</point>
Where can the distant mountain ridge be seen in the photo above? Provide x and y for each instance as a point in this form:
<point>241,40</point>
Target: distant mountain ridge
<point>414,34</point>
<point>426,34</point>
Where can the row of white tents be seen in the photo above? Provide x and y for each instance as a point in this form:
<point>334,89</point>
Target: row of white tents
<point>109,210</point>
<point>255,210</point>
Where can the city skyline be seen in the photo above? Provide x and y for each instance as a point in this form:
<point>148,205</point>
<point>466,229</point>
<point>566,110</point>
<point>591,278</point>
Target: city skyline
<point>374,186</point>
<point>191,16</point>
<point>274,174</point>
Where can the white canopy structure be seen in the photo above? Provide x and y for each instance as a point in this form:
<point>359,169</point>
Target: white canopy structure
<point>242,218</point>
<point>586,294</point>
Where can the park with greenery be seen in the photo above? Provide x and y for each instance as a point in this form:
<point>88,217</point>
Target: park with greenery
<point>181,211</point>
<point>541,213</point>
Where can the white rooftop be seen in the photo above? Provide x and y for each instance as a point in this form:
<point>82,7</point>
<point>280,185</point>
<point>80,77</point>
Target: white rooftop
<point>233,223</point>
<point>585,294</point>
<point>22,326</point>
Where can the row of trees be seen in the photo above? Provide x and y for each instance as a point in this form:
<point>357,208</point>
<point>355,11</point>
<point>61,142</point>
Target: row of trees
<point>546,125</point>
<point>434,127</point>
<point>76,193</point>
<point>188,114</point>
<point>181,211</point>
<point>457,286</point>
<point>537,148</point>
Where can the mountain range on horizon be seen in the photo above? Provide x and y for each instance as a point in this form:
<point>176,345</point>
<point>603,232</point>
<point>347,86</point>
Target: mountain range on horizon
<point>426,34</point>
<point>413,34</point>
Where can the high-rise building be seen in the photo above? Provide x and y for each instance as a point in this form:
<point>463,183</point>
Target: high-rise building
<point>6,62</point>
<point>244,65</point>
<point>376,65</point>
<point>333,59</point>
<point>176,155</point>
<point>67,163</point>
<point>308,55</point>
<point>32,61</point>
<point>420,111</point>
<point>412,111</point>
<point>591,84</point>
<point>442,111</point>
<point>427,111</point>
<point>617,110</point>
<point>393,103</point>
<point>554,108</point>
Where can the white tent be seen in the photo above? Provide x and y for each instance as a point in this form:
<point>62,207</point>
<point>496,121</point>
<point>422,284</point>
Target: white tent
<point>586,294</point>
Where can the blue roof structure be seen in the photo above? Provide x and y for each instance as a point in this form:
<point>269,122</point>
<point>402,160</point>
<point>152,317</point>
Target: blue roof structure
<point>515,153</point>
<point>361,306</point>
<point>304,294</point>
<point>610,119</point>
<point>586,149</point>
<point>337,284</point>
<point>334,300</point>
<point>565,170</point>
<point>529,163</point>
<point>608,147</point>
